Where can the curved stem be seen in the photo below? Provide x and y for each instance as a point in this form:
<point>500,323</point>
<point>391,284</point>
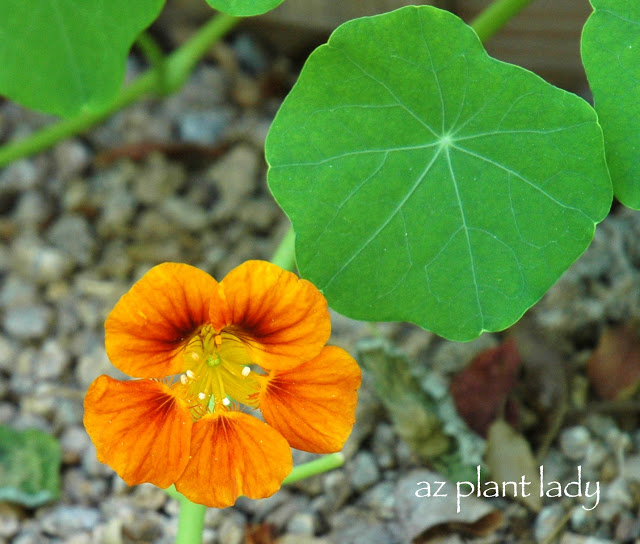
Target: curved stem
<point>317,466</point>
<point>155,57</point>
<point>177,68</point>
<point>285,254</point>
<point>496,16</point>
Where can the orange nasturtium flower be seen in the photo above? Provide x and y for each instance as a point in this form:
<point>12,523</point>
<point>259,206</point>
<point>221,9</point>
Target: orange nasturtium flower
<point>207,353</point>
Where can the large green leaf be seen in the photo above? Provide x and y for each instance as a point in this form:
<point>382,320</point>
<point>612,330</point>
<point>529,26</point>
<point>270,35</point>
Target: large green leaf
<point>29,467</point>
<point>611,57</point>
<point>64,56</point>
<point>428,182</point>
<point>244,8</point>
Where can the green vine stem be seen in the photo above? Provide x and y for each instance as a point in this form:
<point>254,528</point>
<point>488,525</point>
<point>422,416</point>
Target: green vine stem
<point>173,72</point>
<point>285,254</point>
<point>496,16</point>
<point>315,467</point>
<point>156,59</point>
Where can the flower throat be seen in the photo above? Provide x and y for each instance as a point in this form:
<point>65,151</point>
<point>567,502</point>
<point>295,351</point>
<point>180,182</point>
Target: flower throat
<point>218,371</point>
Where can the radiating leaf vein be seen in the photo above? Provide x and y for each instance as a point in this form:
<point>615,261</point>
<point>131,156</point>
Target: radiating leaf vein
<point>521,177</point>
<point>382,226</point>
<point>386,88</point>
<point>466,233</point>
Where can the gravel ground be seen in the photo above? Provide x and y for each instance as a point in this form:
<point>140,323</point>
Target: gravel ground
<point>80,224</point>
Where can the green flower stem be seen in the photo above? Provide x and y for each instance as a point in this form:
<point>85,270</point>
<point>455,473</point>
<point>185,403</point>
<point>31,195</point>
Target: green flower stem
<point>317,466</point>
<point>190,522</point>
<point>174,71</point>
<point>496,16</point>
<point>285,254</point>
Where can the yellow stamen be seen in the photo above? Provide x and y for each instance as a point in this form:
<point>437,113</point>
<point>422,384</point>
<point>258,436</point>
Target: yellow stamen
<point>217,366</point>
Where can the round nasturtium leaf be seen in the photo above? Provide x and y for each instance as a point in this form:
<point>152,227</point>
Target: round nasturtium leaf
<point>428,182</point>
<point>244,8</point>
<point>67,56</point>
<point>611,56</point>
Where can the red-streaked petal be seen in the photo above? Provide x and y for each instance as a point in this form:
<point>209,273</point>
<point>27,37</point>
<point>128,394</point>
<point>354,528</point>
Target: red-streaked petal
<point>140,429</point>
<point>148,327</point>
<point>283,320</point>
<point>313,405</point>
<point>234,454</point>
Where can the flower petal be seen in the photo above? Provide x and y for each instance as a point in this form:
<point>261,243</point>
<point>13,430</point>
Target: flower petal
<point>283,320</point>
<point>313,406</point>
<point>234,454</point>
<point>139,428</point>
<point>148,327</point>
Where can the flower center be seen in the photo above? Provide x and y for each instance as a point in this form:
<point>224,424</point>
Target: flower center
<point>217,372</point>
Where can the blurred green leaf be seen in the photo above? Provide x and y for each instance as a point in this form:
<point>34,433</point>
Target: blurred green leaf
<point>611,55</point>
<point>29,467</point>
<point>244,8</point>
<point>428,182</point>
<point>413,413</point>
<point>67,56</point>
<point>421,409</point>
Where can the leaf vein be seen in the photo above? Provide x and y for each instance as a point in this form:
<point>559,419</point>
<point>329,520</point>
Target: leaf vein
<point>411,190</point>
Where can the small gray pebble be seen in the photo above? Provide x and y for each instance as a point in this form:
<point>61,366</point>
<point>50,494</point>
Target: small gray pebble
<point>8,350</point>
<point>337,488</point>
<point>180,212</point>
<point>63,520</point>
<point>383,445</point>
<point>249,53</point>
<point>16,292</point>
<point>382,500</point>
<point>232,528</point>
<point>574,442</point>
<point>40,263</point>
<point>302,523</point>
<point>93,364</point>
<point>149,497</point>
<point>364,471</point>
<point>204,127</point>
<point>145,526</point>
<point>92,466</point>
<point>32,209</point>
<point>9,520</point>
<point>54,360</point>
<point>280,516</point>
<point>28,322</point>
<point>73,235</point>
<point>74,442</point>
<point>547,521</point>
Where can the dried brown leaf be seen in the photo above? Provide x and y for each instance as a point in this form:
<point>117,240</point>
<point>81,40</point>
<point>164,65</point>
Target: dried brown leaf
<point>423,518</point>
<point>481,390</point>
<point>509,458</point>
<point>614,366</point>
<point>261,533</point>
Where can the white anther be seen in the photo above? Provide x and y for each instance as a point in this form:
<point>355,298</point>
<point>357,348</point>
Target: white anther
<point>201,396</point>
<point>190,374</point>
<point>183,379</point>
<point>226,401</point>
<point>245,371</point>
<point>195,356</point>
